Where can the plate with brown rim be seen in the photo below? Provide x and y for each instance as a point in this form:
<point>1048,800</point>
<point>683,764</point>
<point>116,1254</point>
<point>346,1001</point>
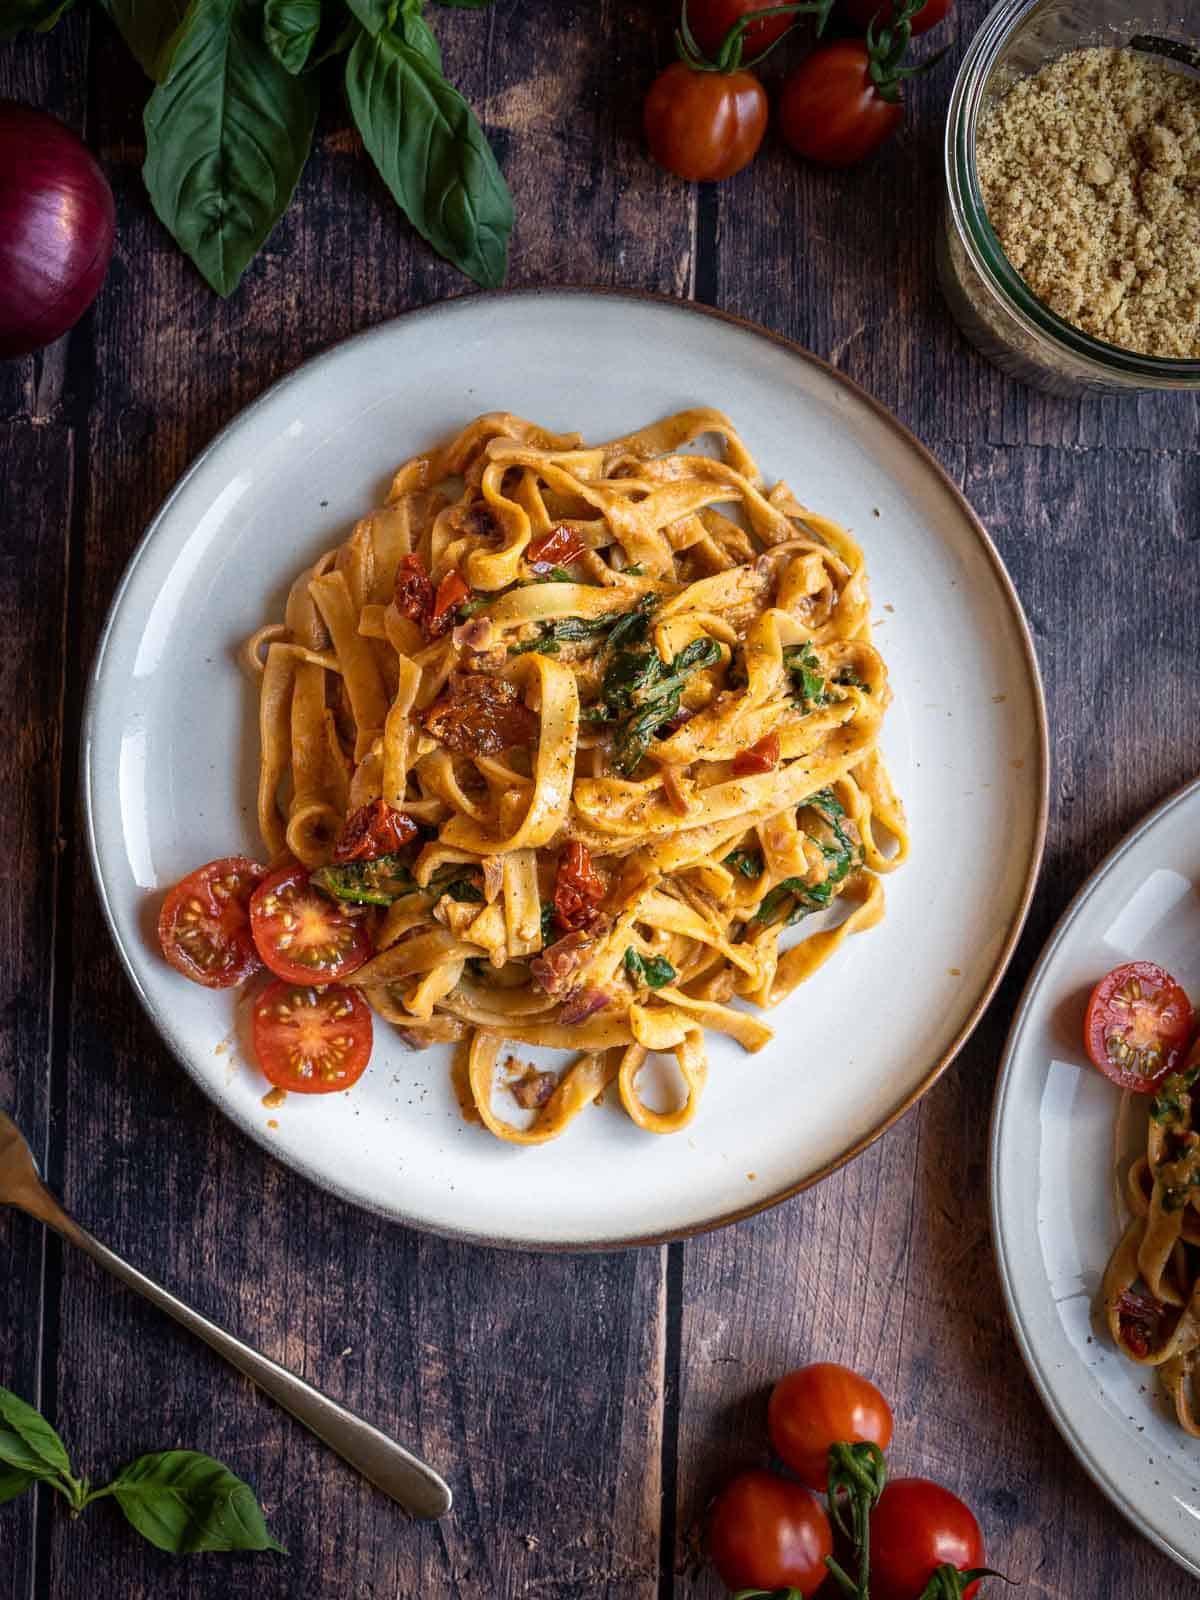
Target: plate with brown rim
<point>170,759</point>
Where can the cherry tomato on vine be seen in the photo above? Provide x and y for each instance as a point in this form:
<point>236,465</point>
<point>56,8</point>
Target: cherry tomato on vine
<point>1137,1025</point>
<point>204,925</point>
<point>312,1041</point>
<point>832,111</point>
<point>711,20</point>
<point>302,936</point>
<point>704,126</point>
<point>767,1532</point>
<point>916,1528</point>
<point>883,14</point>
<point>821,1405</point>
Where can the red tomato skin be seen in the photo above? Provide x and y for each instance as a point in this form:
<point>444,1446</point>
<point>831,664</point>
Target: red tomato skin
<point>917,1527</point>
<point>1102,1019</point>
<point>711,20</point>
<point>345,940</point>
<point>558,548</point>
<point>760,757</point>
<point>820,1405</point>
<point>222,912</point>
<point>862,13</point>
<point>704,126</point>
<point>342,1019</point>
<point>831,112</point>
<point>767,1532</point>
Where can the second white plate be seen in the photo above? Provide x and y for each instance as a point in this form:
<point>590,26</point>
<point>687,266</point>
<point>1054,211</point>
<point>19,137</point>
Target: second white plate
<point>170,757</point>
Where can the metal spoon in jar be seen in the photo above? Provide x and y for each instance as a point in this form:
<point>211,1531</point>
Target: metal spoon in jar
<point>416,1486</point>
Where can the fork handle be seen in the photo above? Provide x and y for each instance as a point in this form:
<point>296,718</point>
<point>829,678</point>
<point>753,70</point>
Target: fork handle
<point>388,1465</point>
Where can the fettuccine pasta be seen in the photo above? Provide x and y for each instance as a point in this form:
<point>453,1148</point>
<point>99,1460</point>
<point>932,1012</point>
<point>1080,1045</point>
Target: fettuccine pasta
<point>624,701</point>
<point>1152,1281</point>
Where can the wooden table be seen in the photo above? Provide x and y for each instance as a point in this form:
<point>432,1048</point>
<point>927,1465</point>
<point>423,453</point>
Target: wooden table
<point>584,1407</point>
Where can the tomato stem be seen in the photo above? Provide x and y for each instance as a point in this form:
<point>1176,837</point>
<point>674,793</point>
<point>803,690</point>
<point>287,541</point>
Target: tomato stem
<point>887,48</point>
<point>729,56</point>
<point>856,1477</point>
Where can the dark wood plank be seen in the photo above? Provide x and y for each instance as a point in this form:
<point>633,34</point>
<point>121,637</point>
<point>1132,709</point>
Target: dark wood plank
<point>536,1385</point>
<point>35,467</point>
<point>887,1265</point>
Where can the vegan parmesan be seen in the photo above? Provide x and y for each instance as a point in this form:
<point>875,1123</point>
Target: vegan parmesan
<point>1090,173</point>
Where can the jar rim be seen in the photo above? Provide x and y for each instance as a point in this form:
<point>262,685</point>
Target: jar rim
<point>979,239</point>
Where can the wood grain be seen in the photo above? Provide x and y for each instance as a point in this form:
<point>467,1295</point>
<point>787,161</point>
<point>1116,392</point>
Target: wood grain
<point>583,1408</point>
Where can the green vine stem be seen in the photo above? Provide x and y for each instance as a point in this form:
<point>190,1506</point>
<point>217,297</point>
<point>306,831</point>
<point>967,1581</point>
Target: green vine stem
<point>729,57</point>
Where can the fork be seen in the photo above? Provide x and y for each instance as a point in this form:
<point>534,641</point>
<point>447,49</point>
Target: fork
<point>400,1474</point>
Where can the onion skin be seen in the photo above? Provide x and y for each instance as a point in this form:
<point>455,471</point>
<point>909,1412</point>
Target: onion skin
<point>57,225</point>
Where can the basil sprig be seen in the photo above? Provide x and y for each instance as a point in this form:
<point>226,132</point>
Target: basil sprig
<point>650,972</point>
<point>180,1500</point>
<point>230,120</point>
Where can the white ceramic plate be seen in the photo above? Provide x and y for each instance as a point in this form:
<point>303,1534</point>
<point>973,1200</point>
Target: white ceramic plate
<point>1054,1210</point>
<point>170,757</point>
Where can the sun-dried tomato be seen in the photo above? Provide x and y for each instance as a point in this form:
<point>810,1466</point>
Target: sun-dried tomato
<point>761,757</point>
<point>578,888</point>
<point>414,591</point>
<point>1140,1318</point>
<point>374,830</point>
<point>558,548</point>
<point>480,716</point>
<point>451,593</point>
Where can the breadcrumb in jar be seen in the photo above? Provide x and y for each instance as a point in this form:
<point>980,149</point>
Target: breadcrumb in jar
<point>1090,173</point>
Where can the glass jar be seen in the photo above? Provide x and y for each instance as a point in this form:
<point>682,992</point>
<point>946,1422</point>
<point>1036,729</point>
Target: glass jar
<point>990,300</point>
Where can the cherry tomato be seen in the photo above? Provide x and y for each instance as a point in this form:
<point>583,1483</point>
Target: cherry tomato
<point>451,593</point>
<point>312,1041</point>
<point>558,548</point>
<point>704,125</point>
<point>1137,1025</point>
<point>372,831</point>
<point>303,936</point>
<point>829,109</point>
<point>818,1406</point>
<point>769,1533</point>
<point>578,887</point>
<point>916,1528</point>
<point>204,923</point>
<point>711,20</point>
<point>863,12</point>
<point>760,757</point>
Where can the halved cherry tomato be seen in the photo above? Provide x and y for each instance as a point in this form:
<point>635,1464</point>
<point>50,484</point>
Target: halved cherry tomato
<point>204,923</point>
<point>883,12</point>
<point>704,125</point>
<point>578,887</point>
<point>372,831</point>
<point>1140,1317</point>
<point>451,593</point>
<point>711,20</point>
<point>760,757</point>
<point>414,590</point>
<point>312,1041</point>
<point>917,1527</point>
<point>830,109</point>
<point>558,548</point>
<point>821,1405</point>
<point>769,1533</point>
<point>303,936</point>
<point>1137,1025</point>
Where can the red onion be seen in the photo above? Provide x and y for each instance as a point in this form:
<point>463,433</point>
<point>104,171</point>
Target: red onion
<point>57,222</point>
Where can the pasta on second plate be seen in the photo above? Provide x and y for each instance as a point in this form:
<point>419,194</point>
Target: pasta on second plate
<point>624,702</point>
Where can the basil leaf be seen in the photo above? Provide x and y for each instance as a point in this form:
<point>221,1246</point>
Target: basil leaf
<point>14,1482</point>
<point>547,923</point>
<point>467,5</point>
<point>432,154</point>
<point>419,34</point>
<point>226,139</point>
<point>183,1501</point>
<point>152,30</point>
<point>748,862</point>
<point>38,14</point>
<point>375,15</point>
<point>655,972</point>
<point>290,29</point>
<point>366,883</point>
<point>27,1441</point>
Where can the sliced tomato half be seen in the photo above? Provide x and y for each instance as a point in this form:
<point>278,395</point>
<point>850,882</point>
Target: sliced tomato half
<point>303,936</point>
<point>1137,1025</point>
<point>204,925</point>
<point>310,1040</point>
